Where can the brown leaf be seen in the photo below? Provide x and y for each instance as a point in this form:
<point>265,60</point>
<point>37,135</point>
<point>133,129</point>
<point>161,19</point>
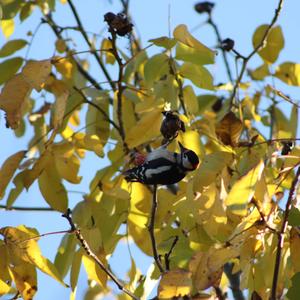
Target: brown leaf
<point>8,170</point>
<point>36,72</point>
<point>12,99</point>
<point>229,129</point>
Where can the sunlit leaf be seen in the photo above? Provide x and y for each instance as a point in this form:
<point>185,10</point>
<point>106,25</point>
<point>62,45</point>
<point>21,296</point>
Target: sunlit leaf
<point>289,73</point>
<point>199,75</point>
<point>260,72</point>
<point>4,288</point>
<point>190,99</point>
<point>107,54</point>
<point>243,190</point>
<point>211,166</point>
<point>190,49</point>
<point>146,129</point>
<point>75,269</point>
<point>12,46</point>
<point>8,170</point>
<point>8,27</point>
<point>175,283</point>
<point>64,66</point>
<point>273,45</point>
<point>164,41</point>
<point>52,189</point>
<point>156,67</point>
<point>89,142</point>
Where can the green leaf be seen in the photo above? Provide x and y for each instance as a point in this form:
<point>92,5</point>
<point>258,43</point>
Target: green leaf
<point>199,75</point>
<point>10,8</point>
<point>164,41</point>
<point>9,67</point>
<point>294,291</point>
<point>260,73</point>
<point>274,42</point>
<point>243,190</point>
<point>190,49</point>
<point>294,217</point>
<point>26,11</point>
<point>156,67</point>
<point>289,73</point>
<point>12,46</point>
<point>52,189</point>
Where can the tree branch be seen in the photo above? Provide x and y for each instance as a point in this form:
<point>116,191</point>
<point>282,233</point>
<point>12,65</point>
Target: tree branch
<point>167,255</point>
<point>20,208</point>
<point>55,28</point>
<point>86,38</point>
<point>255,50</point>
<point>151,230</point>
<point>91,254</point>
<point>234,280</point>
<point>291,197</point>
<point>120,87</point>
<point>219,39</point>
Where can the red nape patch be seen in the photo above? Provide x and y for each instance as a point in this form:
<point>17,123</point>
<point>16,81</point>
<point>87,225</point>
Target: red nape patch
<point>195,166</point>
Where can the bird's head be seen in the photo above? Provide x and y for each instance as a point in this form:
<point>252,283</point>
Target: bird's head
<point>189,159</point>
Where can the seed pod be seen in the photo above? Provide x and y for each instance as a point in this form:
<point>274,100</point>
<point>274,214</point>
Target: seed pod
<point>204,7</point>
<point>171,125</point>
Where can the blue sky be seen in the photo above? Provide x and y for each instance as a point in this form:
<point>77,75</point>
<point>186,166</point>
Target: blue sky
<point>235,18</point>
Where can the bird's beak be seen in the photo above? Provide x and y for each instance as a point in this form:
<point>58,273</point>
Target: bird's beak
<point>181,147</point>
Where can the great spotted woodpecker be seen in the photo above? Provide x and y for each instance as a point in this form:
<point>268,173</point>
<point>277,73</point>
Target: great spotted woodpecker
<point>163,167</point>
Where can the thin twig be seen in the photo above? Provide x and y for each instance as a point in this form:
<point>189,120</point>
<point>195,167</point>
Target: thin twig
<point>283,96</point>
<point>20,208</point>
<point>86,100</point>
<point>255,50</point>
<point>219,39</point>
<point>44,234</point>
<point>291,197</point>
<point>151,230</point>
<point>167,255</point>
<point>91,254</point>
<point>86,38</point>
<point>120,87</point>
<point>219,293</point>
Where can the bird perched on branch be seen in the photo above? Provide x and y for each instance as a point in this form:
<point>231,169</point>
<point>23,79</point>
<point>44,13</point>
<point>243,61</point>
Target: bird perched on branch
<point>162,166</point>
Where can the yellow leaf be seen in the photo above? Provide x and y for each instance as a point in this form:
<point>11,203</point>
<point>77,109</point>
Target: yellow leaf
<point>204,276</point>
<point>191,140</point>
<point>8,27</point>
<point>146,129</point>
<point>11,47</point>
<point>190,99</point>
<point>67,167</point>
<point>8,170</point>
<point>243,190</point>
<point>229,129</point>
<point>25,278</point>
<point>175,283</point>
<point>190,49</point>
<point>289,73</point>
<point>93,270</point>
<point>109,57</point>
<point>198,74</point>
<point>88,142</point>
<point>64,66</point>
<point>4,288</point>
<point>36,72</point>
<point>273,45</point>
<point>75,268</point>
<point>210,167</point>
<point>52,189</point>
<point>36,170</point>
<point>164,41</point>
<point>295,248</point>
<point>156,67</point>
<point>62,94</point>
<point>17,89</point>
<point>260,73</point>
<point>23,247</point>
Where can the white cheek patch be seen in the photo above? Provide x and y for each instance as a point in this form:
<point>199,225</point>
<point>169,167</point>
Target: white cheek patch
<point>187,165</point>
<point>149,173</point>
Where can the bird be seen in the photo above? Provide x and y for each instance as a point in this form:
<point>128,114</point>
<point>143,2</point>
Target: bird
<point>163,167</point>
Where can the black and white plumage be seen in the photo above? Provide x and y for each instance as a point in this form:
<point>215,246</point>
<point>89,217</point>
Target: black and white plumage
<point>164,167</point>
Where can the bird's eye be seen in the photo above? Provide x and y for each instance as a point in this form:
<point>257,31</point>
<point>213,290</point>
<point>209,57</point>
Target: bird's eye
<point>184,155</point>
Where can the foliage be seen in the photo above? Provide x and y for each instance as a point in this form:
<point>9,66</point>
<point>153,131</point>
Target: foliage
<point>228,212</point>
